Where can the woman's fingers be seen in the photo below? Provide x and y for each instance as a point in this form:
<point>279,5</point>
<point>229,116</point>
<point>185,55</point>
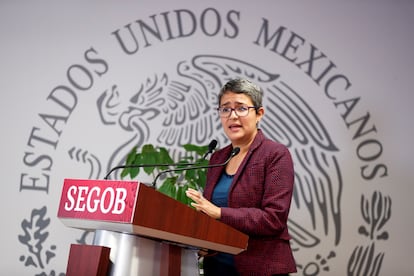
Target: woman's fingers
<point>194,195</point>
<point>202,204</point>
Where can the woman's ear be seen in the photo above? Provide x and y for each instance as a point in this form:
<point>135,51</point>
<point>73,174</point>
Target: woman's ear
<point>260,112</point>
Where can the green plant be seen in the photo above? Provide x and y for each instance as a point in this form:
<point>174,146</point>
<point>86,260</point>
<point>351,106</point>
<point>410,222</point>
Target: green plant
<point>176,182</point>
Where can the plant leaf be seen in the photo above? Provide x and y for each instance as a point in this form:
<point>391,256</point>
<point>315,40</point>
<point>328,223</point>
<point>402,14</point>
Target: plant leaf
<point>200,150</point>
<point>181,196</point>
<point>168,187</point>
<point>164,157</point>
<point>131,156</point>
<point>178,181</point>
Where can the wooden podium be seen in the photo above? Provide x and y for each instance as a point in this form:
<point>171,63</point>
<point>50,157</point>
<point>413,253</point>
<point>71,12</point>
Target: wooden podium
<point>138,230</point>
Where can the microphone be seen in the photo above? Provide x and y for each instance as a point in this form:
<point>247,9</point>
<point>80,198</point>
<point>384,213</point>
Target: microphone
<point>211,147</point>
<point>233,153</point>
<point>140,166</point>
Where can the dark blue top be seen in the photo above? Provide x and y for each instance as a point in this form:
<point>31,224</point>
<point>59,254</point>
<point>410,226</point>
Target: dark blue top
<point>220,199</point>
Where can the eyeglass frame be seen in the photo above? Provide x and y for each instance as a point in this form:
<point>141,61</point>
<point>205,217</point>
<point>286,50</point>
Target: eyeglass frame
<point>235,111</point>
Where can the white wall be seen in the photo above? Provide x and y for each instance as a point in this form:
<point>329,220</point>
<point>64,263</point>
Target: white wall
<point>43,47</point>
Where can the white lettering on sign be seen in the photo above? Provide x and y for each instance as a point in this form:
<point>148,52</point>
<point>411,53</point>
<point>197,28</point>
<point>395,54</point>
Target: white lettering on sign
<point>110,200</point>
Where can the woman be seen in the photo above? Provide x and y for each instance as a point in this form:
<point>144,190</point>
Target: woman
<point>252,193</point>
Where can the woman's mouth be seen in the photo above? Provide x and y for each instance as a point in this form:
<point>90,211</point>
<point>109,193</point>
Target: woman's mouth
<point>234,126</point>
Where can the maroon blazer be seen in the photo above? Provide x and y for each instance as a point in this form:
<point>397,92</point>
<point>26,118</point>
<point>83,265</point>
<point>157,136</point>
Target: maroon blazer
<point>259,201</point>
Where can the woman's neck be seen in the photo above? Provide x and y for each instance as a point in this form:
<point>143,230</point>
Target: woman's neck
<point>236,161</point>
<point>244,145</point>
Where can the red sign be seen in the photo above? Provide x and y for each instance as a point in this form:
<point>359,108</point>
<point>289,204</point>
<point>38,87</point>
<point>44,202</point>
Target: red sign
<point>104,200</point>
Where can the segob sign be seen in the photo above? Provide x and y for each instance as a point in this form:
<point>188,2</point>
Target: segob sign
<point>98,200</point>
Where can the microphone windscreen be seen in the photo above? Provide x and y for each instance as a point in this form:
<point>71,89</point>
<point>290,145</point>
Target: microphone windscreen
<point>212,145</point>
<point>235,151</point>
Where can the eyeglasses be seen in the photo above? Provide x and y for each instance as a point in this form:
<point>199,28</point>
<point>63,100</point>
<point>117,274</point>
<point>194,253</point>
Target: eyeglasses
<point>241,111</point>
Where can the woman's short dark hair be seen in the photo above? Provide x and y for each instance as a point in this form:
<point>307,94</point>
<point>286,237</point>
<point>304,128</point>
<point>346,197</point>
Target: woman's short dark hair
<point>243,86</point>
